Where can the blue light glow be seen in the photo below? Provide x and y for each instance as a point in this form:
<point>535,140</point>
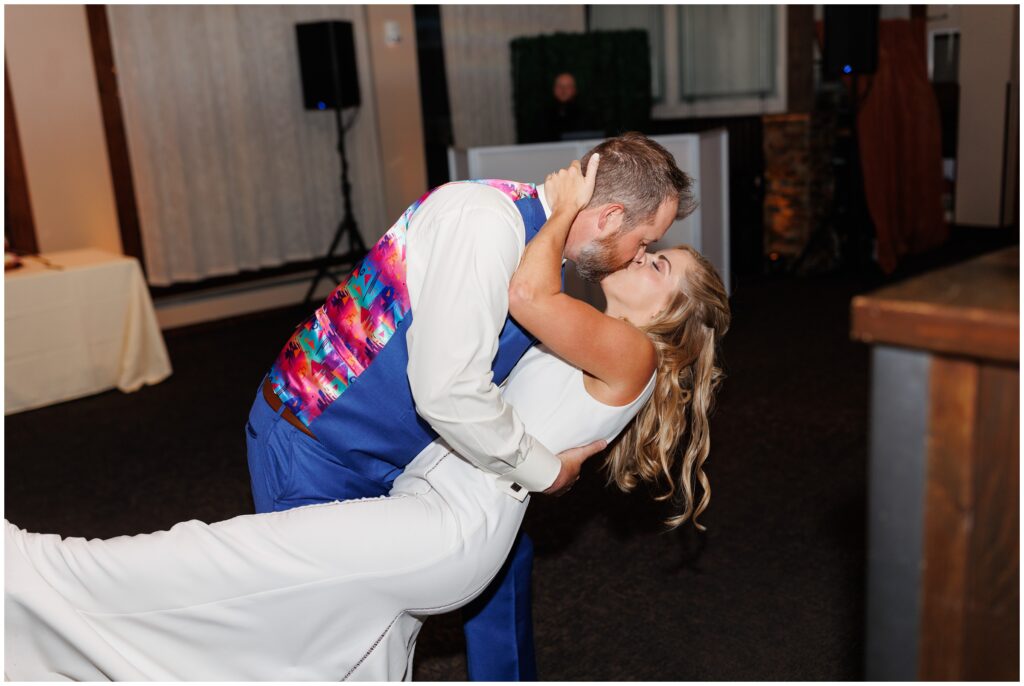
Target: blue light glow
<point>847,69</point>
<point>321,105</point>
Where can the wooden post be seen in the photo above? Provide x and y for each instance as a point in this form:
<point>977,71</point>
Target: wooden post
<point>966,320</point>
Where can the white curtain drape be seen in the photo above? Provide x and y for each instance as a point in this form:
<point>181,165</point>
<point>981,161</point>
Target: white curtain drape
<point>478,63</point>
<point>230,172</point>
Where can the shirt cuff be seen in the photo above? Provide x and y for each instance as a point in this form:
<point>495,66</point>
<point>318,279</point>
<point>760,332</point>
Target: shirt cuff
<point>537,471</point>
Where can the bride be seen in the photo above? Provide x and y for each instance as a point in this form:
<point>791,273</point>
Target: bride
<point>340,590</point>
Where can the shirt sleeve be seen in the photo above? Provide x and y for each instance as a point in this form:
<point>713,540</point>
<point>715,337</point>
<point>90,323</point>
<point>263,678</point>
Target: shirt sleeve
<point>460,263</point>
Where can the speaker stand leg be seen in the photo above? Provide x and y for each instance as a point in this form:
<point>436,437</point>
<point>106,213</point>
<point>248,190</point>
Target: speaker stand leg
<point>347,226</point>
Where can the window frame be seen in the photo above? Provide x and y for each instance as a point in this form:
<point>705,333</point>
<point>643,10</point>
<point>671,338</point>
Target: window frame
<point>932,35</point>
<point>672,107</point>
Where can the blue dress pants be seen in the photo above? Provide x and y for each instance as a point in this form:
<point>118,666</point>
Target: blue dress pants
<point>289,469</point>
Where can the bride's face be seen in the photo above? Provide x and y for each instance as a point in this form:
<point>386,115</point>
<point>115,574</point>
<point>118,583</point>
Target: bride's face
<point>645,288</point>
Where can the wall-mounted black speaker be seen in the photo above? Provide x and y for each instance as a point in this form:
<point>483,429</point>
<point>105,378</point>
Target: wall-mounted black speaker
<point>851,40</point>
<point>327,60</point>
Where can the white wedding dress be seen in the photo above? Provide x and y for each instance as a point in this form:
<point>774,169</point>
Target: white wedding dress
<point>322,592</point>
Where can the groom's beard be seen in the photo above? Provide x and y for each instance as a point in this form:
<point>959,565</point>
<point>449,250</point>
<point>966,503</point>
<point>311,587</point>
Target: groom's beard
<point>596,260</point>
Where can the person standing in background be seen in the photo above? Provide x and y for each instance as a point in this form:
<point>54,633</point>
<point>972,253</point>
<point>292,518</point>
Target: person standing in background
<point>565,115</point>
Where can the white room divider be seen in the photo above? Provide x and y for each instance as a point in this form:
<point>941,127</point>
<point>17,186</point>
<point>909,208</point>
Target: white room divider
<point>704,156</point>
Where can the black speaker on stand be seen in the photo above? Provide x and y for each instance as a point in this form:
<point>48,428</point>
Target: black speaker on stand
<point>850,49</point>
<point>327,61</point>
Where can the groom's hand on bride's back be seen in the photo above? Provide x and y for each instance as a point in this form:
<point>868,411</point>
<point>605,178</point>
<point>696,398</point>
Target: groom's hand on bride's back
<point>572,460</point>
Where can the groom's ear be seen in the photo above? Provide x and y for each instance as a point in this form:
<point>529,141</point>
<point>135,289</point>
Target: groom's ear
<point>610,217</point>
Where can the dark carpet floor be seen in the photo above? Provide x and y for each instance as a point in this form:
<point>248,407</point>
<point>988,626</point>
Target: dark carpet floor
<point>774,590</point>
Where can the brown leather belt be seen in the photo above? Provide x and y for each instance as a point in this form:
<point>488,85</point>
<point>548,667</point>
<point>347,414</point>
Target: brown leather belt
<point>289,416</point>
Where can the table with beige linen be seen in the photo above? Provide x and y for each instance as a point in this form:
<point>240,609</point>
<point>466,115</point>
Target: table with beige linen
<point>76,323</point>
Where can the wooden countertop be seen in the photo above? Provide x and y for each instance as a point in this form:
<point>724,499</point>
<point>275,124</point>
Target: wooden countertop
<point>970,309</point>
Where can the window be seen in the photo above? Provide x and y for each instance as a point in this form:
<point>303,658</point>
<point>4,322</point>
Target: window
<point>944,56</point>
<point>709,60</point>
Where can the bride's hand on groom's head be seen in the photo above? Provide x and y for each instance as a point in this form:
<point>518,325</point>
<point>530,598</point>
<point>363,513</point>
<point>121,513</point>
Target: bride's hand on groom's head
<point>569,190</point>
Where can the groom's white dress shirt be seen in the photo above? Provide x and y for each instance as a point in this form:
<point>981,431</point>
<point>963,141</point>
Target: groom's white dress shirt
<point>463,244</point>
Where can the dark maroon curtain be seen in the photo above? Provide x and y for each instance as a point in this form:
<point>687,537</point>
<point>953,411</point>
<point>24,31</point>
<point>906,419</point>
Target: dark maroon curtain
<point>901,145</point>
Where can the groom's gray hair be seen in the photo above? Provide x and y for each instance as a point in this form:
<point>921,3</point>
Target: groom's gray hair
<point>640,174</point>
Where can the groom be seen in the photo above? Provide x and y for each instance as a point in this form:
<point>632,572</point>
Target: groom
<point>412,346</point>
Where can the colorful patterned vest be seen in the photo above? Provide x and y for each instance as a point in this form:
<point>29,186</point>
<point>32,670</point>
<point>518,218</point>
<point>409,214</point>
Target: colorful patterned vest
<point>343,371</point>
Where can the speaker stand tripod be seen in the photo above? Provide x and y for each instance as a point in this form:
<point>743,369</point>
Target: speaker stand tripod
<point>347,228</point>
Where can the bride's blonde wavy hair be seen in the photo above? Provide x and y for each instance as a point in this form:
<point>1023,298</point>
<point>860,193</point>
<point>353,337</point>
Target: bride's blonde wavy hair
<point>686,336</point>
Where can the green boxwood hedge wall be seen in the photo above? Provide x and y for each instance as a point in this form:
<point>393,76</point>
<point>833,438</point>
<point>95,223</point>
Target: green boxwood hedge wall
<point>613,79</point>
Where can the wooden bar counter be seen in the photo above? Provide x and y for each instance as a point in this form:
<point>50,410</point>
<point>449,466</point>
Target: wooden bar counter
<point>943,502</point>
